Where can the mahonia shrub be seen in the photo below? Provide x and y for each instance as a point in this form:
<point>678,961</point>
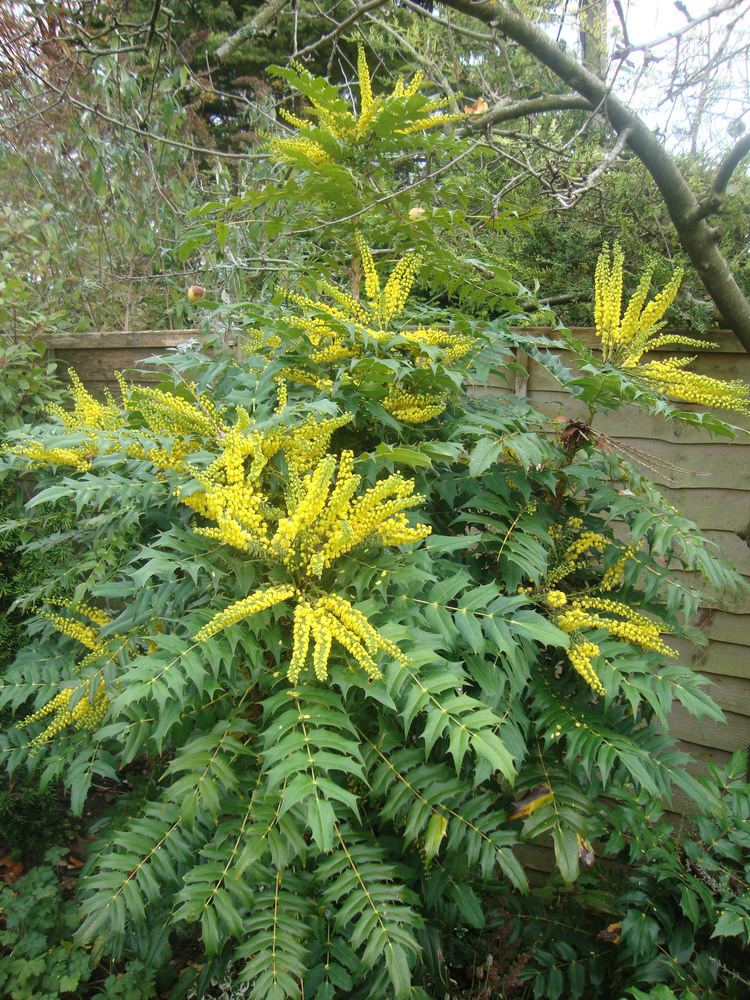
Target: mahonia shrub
<point>366,624</point>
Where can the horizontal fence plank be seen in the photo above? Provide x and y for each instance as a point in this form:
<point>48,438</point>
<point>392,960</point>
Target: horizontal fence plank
<point>628,421</point>
<point>734,734</point>
<point>701,505</point>
<point>117,339</point>
<point>725,659</point>
<point>726,626</point>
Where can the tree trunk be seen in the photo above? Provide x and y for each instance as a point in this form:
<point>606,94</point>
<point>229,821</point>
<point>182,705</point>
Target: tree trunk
<point>698,238</point>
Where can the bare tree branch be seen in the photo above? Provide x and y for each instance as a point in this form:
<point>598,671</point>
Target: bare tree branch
<point>671,36</point>
<point>569,201</point>
<point>139,131</point>
<point>477,35</point>
<point>729,164</point>
<point>699,240</point>
<point>258,23</point>
<point>358,12</point>
<point>713,203</point>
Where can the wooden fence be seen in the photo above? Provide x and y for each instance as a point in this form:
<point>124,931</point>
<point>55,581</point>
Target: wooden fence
<point>707,480</point>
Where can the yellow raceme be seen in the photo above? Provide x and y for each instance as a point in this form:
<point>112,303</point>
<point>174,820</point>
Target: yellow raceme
<point>626,337</point>
<point>349,327</point>
<point>408,112</point>
<point>575,614</point>
<point>86,713</point>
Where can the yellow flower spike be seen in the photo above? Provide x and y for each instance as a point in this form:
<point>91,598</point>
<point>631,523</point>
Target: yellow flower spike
<point>323,640</point>
<point>292,119</point>
<point>261,600</point>
<point>585,543</point>
<point>39,456</point>
<point>372,282</point>
<point>347,484</point>
<point>301,377</point>
<point>96,615</point>
<point>399,285</point>
<point>626,340</point>
<point>413,407</point>
<point>308,509</point>
<point>300,641</point>
<point>355,309</point>
<point>352,645</point>
<point>365,83</point>
<point>281,394</point>
<point>659,305</point>
<point>422,124</point>
<point>84,634</point>
<point>691,387</point>
<point>351,619</point>
<point>287,150</point>
<point>580,655</point>
<point>85,714</point>
<point>556,599</point>
<point>416,82</point>
<point>397,531</point>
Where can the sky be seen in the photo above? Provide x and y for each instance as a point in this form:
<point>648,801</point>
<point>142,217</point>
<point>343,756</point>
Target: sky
<point>729,90</point>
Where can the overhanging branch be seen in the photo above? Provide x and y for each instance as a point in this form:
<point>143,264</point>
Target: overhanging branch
<point>698,239</point>
<point>729,164</point>
<point>533,106</point>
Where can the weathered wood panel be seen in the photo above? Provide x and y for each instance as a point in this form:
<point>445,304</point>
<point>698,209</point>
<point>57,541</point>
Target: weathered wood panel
<point>731,735</point>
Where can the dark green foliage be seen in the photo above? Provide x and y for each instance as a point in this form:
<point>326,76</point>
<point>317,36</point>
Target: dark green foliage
<point>660,906</point>
<point>32,818</point>
<point>38,960</point>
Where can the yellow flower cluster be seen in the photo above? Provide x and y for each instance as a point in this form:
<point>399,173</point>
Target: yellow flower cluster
<point>585,543</point>
<point>348,324</point>
<point>333,618</point>
<point>690,387</point>
<point>592,610</point>
<point>580,654</point>
<point>323,519</point>
<point>615,575</point>
<point>626,338</point>
<point>573,556</point>
<point>87,412</point>
<point>556,599</point>
<point>407,112</point>
<point>453,346</point>
<point>255,340</point>
<point>87,415</point>
<point>40,456</point>
<point>86,713</point>
<point>282,396</point>
<point>413,407</point>
<point>631,626</point>
<point>289,151</point>
<point>301,377</point>
<point>167,413</point>
<point>85,634</point>
<point>305,527</point>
